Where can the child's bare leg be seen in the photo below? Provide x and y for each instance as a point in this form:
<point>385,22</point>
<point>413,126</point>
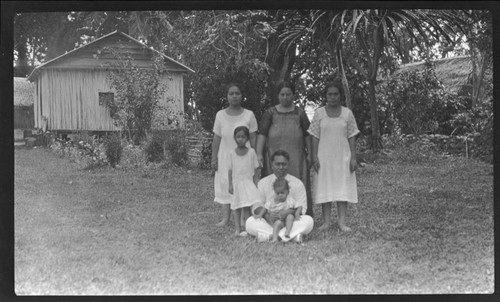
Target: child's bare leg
<point>245,214</point>
<point>267,217</point>
<point>226,212</point>
<point>342,210</point>
<point>236,216</point>
<point>276,228</point>
<point>327,209</point>
<point>289,223</point>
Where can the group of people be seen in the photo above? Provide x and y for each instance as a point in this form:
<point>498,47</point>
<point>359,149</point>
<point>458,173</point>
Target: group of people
<point>263,170</point>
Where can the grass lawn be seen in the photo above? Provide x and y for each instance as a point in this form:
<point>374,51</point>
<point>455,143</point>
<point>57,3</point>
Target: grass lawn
<point>418,229</point>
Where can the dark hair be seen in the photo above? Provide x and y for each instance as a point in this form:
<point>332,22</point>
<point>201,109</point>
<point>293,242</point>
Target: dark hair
<point>281,183</point>
<point>280,153</point>
<point>234,84</point>
<point>285,85</point>
<point>242,128</point>
<point>335,83</point>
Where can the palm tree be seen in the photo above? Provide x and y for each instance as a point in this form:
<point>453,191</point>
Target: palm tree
<point>373,30</point>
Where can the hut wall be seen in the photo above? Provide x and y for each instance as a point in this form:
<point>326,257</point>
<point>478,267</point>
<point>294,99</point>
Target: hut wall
<point>36,105</point>
<point>70,100</point>
<point>174,92</point>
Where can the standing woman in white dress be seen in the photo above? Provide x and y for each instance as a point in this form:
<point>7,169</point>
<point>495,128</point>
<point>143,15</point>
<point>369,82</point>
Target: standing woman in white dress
<point>334,131</point>
<point>223,143</point>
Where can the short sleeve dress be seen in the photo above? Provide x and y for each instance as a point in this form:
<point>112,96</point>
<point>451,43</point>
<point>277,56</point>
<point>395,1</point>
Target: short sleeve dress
<point>245,192</point>
<point>286,131</point>
<point>334,180</point>
<point>224,126</point>
<point>273,206</point>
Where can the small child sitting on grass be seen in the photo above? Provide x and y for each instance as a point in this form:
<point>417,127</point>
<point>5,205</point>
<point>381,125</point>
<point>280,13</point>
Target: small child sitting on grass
<point>272,210</point>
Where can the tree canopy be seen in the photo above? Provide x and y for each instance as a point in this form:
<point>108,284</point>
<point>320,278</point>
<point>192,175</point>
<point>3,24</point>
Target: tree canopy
<point>261,48</point>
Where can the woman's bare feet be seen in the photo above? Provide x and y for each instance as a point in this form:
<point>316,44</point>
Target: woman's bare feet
<point>344,228</point>
<point>324,227</point>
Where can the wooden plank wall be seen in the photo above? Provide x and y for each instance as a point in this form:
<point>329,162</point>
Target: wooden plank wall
<point>176,91</point>
<point>36,105</point>
<point>70,99</point>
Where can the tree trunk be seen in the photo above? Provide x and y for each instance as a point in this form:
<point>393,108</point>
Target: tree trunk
<point>281,66</point>
<point>347,91</point>
<point>342,76</point>
<point>479,80</point>
<point>370,74</point>
<point>376,140</point>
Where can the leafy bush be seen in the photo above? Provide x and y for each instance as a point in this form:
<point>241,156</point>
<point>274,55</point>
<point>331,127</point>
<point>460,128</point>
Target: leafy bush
<point>410,149</point>
<point>138,90</point>
<point>133,156</point>
<point>172,141</point>
<point>85,150</point>
<point>472,120</point>
<point>114,149</point>
<point>177,147</point>
<point>206,156</point>
<point>154,148</point>
<point>419,103</point>
<point>482,147</point>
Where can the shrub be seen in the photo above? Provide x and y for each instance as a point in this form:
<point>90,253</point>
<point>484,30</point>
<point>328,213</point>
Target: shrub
<point>84,149</point>
<point>114,149</point>
<point>133,156</point>
<point>161,141</point>
<point>410,149</point>
<point>206,156</point>
<point>419,103</point>
<point>177,147</point>
<point>153,148</point>
<point>483,141</point>
<point>137,91</point>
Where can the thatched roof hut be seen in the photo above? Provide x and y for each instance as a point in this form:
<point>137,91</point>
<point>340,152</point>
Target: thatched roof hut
<point>454,72</point>
<point>23,92</point>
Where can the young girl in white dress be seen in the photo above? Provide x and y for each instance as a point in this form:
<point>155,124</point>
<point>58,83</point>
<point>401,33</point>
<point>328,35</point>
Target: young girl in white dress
<point>334,133</point>
<point>243,175</point>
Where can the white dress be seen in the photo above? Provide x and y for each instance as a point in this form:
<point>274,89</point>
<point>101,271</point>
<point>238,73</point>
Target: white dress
<point>273,206</point>
<point>334,180</point>
<point>224,126</point>
<point>245,192</point>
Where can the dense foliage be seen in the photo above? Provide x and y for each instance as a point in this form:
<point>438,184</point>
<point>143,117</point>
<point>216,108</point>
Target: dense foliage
<point>419,103</point>
<point>222,47</point>
<point>114,148</point>
<point>137,93</point>
<point>307,47</point>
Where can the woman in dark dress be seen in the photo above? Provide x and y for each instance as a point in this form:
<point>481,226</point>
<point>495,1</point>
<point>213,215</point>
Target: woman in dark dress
<point>284,127</point>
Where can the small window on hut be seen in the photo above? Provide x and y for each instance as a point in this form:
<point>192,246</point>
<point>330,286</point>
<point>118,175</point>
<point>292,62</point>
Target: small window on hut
<point>105,98</point>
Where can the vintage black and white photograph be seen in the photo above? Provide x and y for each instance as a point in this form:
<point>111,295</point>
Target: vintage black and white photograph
<point>323,150</point>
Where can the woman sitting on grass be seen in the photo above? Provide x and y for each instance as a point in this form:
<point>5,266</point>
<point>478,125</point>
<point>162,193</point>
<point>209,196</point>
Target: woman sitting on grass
<point>272,208</point>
